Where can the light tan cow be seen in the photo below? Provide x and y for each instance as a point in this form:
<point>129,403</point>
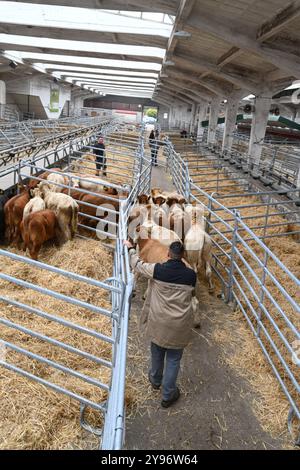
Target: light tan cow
<point>198,247</point>
<point>34,205</point>
<point>55,180</point>
<point>64,206</point>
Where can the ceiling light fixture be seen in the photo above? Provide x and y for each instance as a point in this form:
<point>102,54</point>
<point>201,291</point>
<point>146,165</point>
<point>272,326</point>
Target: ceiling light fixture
<point>182,34</point>
<point>13,64</point>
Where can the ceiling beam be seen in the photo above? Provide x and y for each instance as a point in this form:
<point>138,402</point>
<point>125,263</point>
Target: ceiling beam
<point>184,11</point>
<point>167,91</point>
<point>188,94</point>
<point>214,88</point>
<point>193,90</point>
<point>279,21</point>
<point>213,25</point>
<point>200,65</point>
<point>232,54</point>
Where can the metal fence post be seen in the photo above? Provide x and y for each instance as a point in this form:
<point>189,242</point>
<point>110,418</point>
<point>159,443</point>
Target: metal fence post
<point>229,296</point>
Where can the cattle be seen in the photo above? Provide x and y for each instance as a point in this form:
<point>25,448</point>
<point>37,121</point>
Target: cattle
<point>155,231</point>
<point>198,247</point>
<point>87,212</point>
<point>80,162</point>
<point>162,234</point>
<point>155,192</point>
<point>143,199</point>
<point>55,181</point>
<point>90,183</point>
<point>151,251</point>
<point>36,229</point>
<point>33,183</point>
<point>74,193</point>
<point>64,206</point>
<point>13,214</point>
<point>34,205</point>
<point>3,200</point>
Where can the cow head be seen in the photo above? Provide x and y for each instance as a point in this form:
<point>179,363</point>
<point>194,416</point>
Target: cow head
<point>111,191</point>
<point>171,201</point>
<point>36,192</point>
<point>155,192</point>
<point>182,200</point>
<point>44,187</point>
<point>143,199</point>
<point>158,200</point>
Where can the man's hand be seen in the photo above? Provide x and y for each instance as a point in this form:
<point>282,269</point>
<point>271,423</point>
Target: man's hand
<point>128,244</point>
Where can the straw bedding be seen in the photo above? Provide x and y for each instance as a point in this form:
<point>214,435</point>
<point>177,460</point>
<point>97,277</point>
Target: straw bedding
<point>119,165</point>
<point>33,416</point>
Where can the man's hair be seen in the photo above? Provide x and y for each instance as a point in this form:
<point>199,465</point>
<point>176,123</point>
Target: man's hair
<point>176,250</point>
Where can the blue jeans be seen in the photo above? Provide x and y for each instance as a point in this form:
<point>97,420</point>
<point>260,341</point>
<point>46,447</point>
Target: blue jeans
<point>168,376</point>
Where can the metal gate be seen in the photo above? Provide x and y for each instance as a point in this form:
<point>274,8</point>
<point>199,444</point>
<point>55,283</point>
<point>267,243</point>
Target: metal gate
<point>250,273</point>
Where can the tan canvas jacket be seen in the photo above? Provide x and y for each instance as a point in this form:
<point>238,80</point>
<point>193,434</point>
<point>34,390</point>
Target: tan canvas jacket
<point>167,316</point>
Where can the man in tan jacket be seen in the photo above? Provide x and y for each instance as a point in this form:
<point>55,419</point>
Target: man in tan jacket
<point>167,316</point>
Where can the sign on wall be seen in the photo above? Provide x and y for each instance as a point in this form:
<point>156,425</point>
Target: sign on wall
<point>54,99</point>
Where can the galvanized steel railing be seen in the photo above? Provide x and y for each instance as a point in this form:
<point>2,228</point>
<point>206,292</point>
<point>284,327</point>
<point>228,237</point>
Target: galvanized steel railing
<point>119,287</point>
<point>253,277</point>
<point>26,137</point>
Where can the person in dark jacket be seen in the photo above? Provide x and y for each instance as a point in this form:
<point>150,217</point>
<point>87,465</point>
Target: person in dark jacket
<point>167,316</point>
<point>99,151</point>
<point>154,145</point>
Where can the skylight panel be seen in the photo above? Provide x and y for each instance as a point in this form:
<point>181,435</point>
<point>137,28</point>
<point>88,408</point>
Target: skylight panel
<point>159,17</point>
<point>60,68</point>
<point>111,78</point>
<point>87,60</point>
<point>84,46</point>
<point>78,18</point>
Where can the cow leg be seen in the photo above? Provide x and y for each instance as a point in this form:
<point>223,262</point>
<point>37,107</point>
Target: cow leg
<point>208,272</point>
<point>206,258</point>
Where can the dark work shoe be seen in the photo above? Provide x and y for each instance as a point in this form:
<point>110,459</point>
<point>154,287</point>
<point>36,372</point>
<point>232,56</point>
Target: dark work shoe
<point>175,397</point>
<point>153,385</point>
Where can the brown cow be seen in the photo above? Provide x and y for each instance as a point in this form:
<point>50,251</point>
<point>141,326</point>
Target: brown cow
<point>151,251</point>
<point>13,213</point>
<point>36,229</point>
<point>143,199</point>
<point>97,201</point>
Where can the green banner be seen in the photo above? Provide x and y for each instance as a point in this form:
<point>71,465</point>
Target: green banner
<point>54,100</point>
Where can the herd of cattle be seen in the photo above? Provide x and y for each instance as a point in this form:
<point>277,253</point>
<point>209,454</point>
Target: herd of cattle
<point>162,218</point>
<point>46,209</point>
<point>52,205</point>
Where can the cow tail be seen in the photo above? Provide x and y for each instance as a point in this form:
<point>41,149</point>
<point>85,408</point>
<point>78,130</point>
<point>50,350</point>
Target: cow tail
<point>74,220</point>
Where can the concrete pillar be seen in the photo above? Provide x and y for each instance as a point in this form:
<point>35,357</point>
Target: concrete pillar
<point>201,117</point>
<point>213,120</point>
<point>193,117</point>
<point>76,104</point>
<point>175,116</point>
<point>182,117</point>
<point>232,107</point>
<point>2,98</point>
<point>259,125</point>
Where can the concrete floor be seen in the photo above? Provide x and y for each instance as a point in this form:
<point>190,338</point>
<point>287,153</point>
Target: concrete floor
<point>214,411</point>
